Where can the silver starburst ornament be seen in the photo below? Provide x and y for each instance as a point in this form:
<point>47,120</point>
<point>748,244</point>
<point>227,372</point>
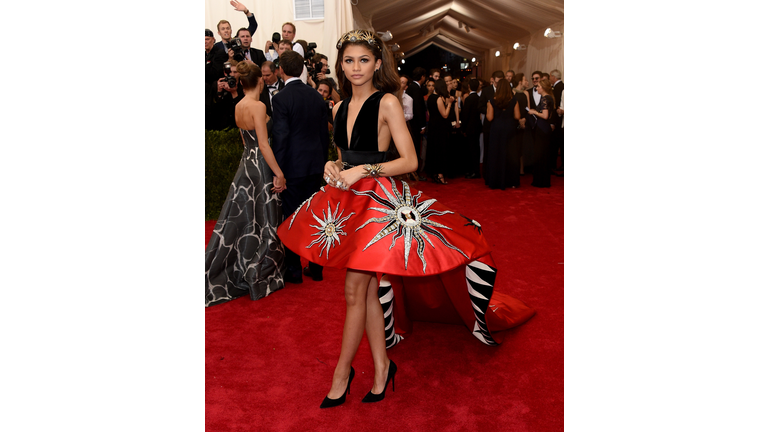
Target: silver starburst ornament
<point>406,218</point>
<point>330,228</point>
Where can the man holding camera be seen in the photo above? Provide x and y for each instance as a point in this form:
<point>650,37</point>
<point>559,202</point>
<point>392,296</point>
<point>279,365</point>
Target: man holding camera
<point>246,53</point>
<point>228,95</point>
<point>317,69</point>
<point>300,145</point>
<point>289,32</point>
<point>225,29</point>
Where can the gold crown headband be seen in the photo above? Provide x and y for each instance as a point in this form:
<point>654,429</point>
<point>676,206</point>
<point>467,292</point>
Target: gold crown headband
<point>359,35</point>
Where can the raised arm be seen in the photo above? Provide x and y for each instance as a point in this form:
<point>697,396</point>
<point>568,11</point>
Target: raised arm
<point>252,24</point>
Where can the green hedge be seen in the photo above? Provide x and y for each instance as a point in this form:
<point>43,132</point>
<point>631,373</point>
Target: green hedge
<point>223,150</point>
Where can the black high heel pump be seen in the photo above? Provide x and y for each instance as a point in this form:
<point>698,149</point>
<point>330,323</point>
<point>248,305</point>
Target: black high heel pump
<point>330,403</point>
<point>370,397</point>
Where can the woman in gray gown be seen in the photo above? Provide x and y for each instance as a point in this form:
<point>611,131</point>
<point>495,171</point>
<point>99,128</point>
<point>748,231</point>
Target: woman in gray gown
<point>244,255</point>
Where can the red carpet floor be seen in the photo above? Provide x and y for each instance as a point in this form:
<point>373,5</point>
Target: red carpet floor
<point>269,362</point>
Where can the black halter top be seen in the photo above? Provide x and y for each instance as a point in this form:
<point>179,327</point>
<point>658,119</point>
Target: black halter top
<point>363,147</point>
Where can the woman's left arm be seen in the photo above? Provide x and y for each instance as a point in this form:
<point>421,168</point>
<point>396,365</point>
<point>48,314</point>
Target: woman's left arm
<point>260,120</point>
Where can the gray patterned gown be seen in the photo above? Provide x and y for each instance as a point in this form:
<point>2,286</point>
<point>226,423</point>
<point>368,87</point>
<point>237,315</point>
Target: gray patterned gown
<point>244,255</point>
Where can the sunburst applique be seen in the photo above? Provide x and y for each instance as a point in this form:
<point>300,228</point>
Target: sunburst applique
<point>329,229</point>
<point>406,218</point>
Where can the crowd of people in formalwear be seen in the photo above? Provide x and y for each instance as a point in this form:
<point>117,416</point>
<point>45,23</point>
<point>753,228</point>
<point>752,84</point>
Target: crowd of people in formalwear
<point>498,129</point>
<point>512,126</point>
<point>223,88</point>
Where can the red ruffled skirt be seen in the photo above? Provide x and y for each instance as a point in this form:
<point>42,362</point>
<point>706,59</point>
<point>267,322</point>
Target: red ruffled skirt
<point>434,254</point>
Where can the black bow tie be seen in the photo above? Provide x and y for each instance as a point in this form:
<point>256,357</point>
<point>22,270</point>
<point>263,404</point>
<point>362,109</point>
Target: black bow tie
<point>272,86</point>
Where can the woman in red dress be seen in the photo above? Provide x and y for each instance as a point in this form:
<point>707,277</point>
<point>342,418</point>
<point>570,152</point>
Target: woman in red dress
<point>367,222</point>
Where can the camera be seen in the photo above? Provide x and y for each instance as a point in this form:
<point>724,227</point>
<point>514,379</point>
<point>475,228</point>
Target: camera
<point>237,48</point>
<point>310,51</point>
<point>314,70</point>
<point>231,81</point>
<point>276,37</point>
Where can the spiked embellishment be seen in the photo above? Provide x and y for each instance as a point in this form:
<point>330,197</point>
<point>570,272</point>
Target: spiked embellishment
<point>406,217</point>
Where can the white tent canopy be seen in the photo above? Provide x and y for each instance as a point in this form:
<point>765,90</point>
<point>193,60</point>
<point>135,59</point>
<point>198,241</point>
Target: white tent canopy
<point>494,25</point>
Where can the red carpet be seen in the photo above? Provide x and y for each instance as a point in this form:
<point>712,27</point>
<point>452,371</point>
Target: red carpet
<point>269,362</point>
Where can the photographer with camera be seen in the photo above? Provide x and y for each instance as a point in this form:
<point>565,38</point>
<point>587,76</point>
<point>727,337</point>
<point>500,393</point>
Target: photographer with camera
<point>289,32</point>
<point>224,28</point>
<point>240,49</point>
<point>229,94</point>
<point>317,68</point>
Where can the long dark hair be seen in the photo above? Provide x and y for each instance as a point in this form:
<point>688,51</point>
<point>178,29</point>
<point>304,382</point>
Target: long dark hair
<point>441,89</point>
<point>503,94</point>
<point>385,79</point>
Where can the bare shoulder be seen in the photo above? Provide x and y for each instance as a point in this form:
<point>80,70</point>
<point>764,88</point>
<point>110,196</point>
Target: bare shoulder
<point>390,105</point>
<point>259,107</point>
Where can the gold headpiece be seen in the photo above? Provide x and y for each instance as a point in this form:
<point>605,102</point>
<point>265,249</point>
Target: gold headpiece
<point>359,35</point>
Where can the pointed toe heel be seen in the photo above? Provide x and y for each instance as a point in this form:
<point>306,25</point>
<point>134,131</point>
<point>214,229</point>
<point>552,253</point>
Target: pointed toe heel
<point>330,403</point>
<point>371,397</point>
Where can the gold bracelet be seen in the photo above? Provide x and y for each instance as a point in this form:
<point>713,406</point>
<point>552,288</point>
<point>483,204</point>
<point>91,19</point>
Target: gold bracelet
<point>375,170</point>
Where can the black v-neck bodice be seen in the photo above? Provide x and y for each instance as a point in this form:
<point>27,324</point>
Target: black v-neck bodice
<point>363,146</point>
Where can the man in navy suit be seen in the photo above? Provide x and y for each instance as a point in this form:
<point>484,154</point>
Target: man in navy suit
<point>300,145</point>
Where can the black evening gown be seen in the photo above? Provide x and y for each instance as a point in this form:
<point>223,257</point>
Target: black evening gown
<point>244,255</point>
<point>541,134</point>
<point>503,155</point>
<point>437,140</point>
<point>525,135</point>
<point>455,156</point>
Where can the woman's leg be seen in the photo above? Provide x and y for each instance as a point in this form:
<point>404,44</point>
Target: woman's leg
<point>355,294</point>
<point>374,328</point>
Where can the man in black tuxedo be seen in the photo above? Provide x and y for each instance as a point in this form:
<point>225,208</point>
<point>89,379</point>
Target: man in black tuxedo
<point>557,140</point>
<point>271,84</point>
<point>488,93</point>
<point>300,145</point>
<point>470,119</point>
<point>419,120</point>
<point>534,97</point>
<point>253,54</point>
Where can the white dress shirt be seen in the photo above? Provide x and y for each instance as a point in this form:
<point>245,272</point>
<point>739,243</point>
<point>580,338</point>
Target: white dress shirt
<point>407,106</point>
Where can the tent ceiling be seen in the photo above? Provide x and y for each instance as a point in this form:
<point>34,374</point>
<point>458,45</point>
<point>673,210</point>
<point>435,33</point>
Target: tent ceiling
<point>417,24</point>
